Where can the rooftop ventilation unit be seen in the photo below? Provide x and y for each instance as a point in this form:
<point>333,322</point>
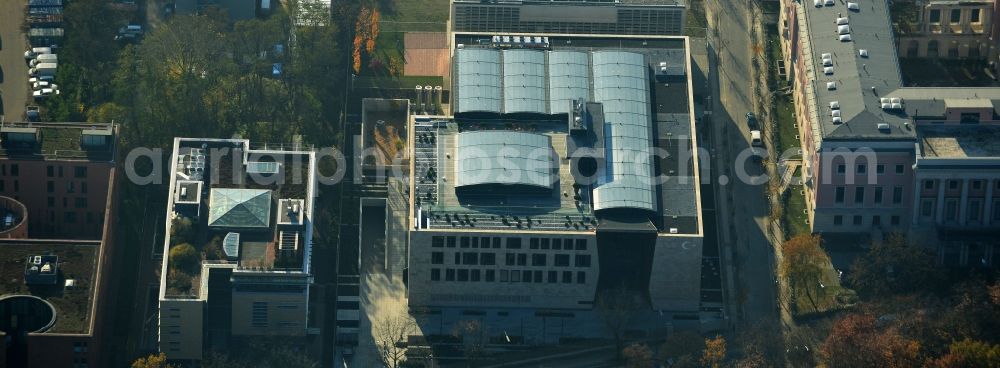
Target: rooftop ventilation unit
<point>818,3</point>
<point>845,29</point>
<point>835,105</point>
<point>863,53</point>
<point>828,2</point>
<point>827,55</point>
<point>827,62</point>
<point>883,126</point>
<point>845,37</point>
<point>854,6</point>
<point>828,70</point>
<point>831,85</point>
<point>837,120</point>
<point>842,21</point>
<point>835,113</point>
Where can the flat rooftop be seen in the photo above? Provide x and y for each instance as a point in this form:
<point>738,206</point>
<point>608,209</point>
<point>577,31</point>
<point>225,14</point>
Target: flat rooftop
<point>77,261</point>
<point>84,141</point>
<point>569,206</point>
<point>959,141</point>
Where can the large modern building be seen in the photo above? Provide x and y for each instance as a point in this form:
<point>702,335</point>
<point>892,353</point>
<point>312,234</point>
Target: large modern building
<point>237,255</point>
<point>57,214</point>
<point>566,169</point>
<point>629,17</point>
<point>877,155</point>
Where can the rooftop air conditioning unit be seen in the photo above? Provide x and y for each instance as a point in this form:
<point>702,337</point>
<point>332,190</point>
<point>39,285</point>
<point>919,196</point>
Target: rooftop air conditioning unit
<point>828,2</point>
<point>844,29</point>
<point>845,37</point>
<point>883,126</point>
<point>818,3</point>
<point>835,113</point>
<point>863,53</point>
<point>842,21</point>
<point>827,62</point>
<point>837,120</point>
<point>831,85</point>
<point>834,104</point>
<point>853,6</point>
<point>828,70</point>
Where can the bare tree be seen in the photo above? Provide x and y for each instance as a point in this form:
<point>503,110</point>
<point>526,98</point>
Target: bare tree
<point>474,338</point>
<point>390,333</point>
<point>617,307</point>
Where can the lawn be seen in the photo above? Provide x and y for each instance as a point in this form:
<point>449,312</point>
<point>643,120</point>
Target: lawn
<point>76,261</point>
<point>787,130</point>
<point>415,16</point>
<point>696,24</point>
<point>794,222</point>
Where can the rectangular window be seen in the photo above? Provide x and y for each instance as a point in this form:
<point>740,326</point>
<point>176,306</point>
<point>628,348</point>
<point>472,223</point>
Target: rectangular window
<point>70,217</point>
<point>956,16</point>
<point>857,220</point>
<point>435,274</point>
<point>581,277</point>
<point>60,171</point>
<point>475,242</point>
<point>899,169</point>
<point>553,277</point>
<point>974,16</point>
<point>484,242</point>
<point>451,242</point>
<point>14,170</point>
<point>538,260</point>
<point>952,184</point>
<point>862,169</point>
<point>841,169</point>
<point>838,220</point>
<point>51,201</point>
<point>449,274</point>
<point>974,211</point>
<point>496,243</point>
<point>70,187</point>
<point>929,184</point>
<point>509,259</point>
<point>491,275</point>
<point>927,207</point>
<point>935,16</point>
<point>504,276</point>
<point>515,276</point>
<point>538,277</point>
<point>470,258</point>
<point>581,244</point>
<point>488,259</point>
<point>839,196</point>
<point>562,260</point>
<point>50,186</point>
<point>437,257</point>
<point>897,195</point>
<point>80,172</point>
<point>258,316</point>
<point>513,243</point>
<point>567,277</point>
<point>880,169</point>
<point>522,259</point>
<point>557,244</point>
<point>50,171</point>
<point>583,260</point>
<point>437,241</point>
<point>876,220</point>
<point>464,243</point>
<point>977,184</point>
<point>996,210</point>
<point>463,275</point>
<point>545,243</point>
<point>533,243</point>
<point>458,258</point>
<point>878,195</point>
<point>859,195</point>
<point>894,220</point>
<point>475,276</point>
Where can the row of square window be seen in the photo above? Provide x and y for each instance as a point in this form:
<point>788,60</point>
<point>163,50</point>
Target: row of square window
<point>859,194</point>
<point>50,186</point>
<point>512,243</point>
<point>511,259</point>
<point>858,220</point>
<point>863,169</point>
<point>953,184</point>
<point>78,171</point>
<point>526,276</point>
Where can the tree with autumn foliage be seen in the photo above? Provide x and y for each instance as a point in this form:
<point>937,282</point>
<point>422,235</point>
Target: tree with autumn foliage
<point>637,356</point>
<point>862,340</point>
<point>366,30</point>
<point>894,267</point>
<point>715,352</point>
<point>801,262</point>
<point>152,361</point>
<point>969,353</point>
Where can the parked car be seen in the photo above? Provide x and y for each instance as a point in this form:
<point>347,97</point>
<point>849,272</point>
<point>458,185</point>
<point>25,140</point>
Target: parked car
<point>46,78</point>
<point>31,54</point>
<point>755,138</point>
<point>44,92</point>
<point>32,113</point>
<point>41,84</point>
<point>129,32</point>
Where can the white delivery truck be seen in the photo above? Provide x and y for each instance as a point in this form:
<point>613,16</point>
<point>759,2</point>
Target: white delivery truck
<point>45,58</point>
<point>43,70</point>
<point>31,54</point>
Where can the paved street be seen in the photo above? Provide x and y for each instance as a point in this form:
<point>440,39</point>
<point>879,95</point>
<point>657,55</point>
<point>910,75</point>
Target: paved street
<point>13,69</point>
<point>743,219</point>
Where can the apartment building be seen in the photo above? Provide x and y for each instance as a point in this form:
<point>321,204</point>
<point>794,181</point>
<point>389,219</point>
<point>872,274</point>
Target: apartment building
<point>877,155</point>
<point>629,17</point>
<point>551,182</point>
<point>946,29</point>
<point>237,255</point>
<point>57,211</point>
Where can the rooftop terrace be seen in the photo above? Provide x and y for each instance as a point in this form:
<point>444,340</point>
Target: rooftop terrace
<point>92,141</point>
<point>960,141</point>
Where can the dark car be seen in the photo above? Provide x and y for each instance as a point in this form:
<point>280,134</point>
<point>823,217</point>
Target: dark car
<point>751,120</point>
<point>32,113</point>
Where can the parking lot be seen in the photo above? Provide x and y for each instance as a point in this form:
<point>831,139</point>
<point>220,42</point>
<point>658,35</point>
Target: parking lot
<point>13,70</point>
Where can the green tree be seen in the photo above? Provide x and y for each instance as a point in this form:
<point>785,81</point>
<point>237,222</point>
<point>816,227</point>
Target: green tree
<point>152,361</point>
<point>184,257</point>
<point>681,343</point>
<point>970,353</point>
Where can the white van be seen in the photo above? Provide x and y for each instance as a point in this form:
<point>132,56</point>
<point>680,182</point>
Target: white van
<point>31,54</point>
<point>44,58</point>
<point>755,138</point>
